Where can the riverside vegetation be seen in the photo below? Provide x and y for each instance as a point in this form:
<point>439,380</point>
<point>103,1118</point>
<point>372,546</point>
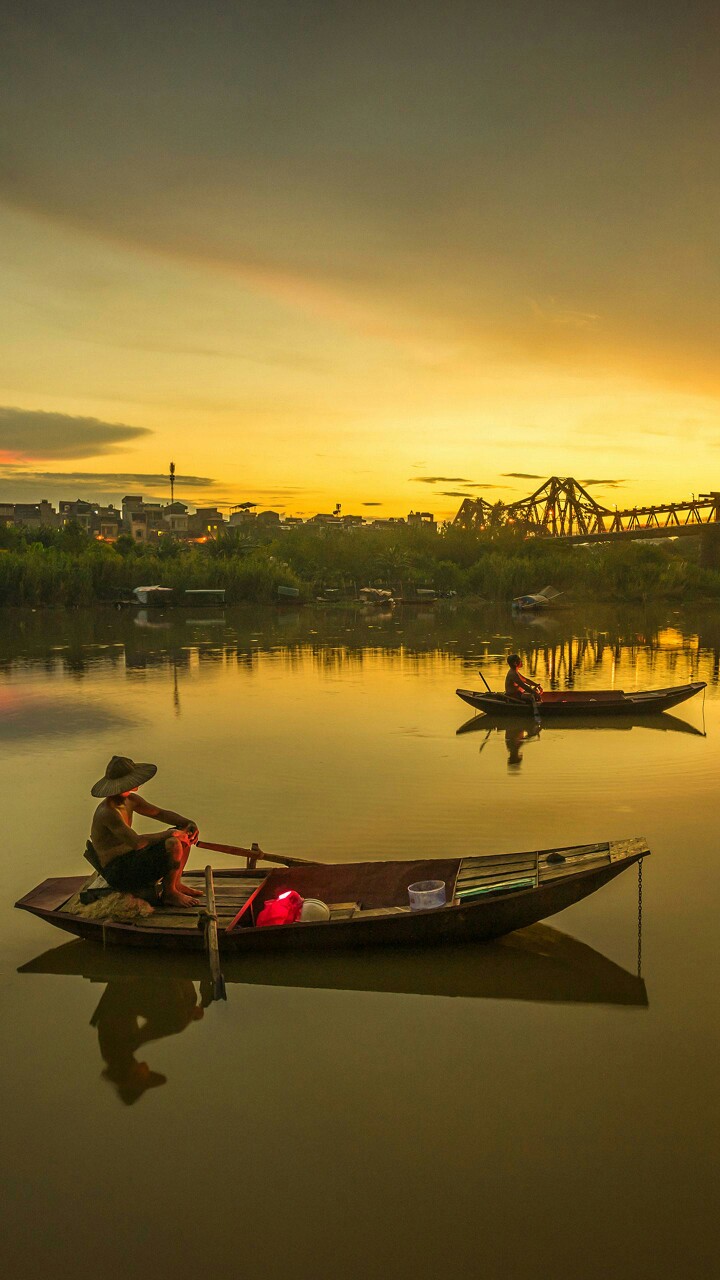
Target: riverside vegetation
<point>69,567</point>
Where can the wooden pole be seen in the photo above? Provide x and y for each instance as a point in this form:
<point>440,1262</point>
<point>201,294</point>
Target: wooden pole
<point>254,855</point>
<point>211,939</point>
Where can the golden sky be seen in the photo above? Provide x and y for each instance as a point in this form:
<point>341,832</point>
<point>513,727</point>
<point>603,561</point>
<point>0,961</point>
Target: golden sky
<point>383,254</point>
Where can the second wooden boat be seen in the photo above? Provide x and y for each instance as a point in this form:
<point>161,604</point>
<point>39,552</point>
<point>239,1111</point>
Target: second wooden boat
<point>572,702</point>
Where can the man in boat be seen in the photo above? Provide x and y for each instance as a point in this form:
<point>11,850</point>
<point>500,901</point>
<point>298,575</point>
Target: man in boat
<point>518,687</point>
<point>128,861</point>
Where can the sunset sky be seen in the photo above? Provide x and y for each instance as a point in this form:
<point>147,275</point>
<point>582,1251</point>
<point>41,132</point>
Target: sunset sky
<point>377,253</point>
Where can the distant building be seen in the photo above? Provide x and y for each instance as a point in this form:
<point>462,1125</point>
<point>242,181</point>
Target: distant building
<point>426,519</point>
<point>108,523</point>
<point>81,513</point>
<point>132,504</point>
<point>387,522</point>
<point>207,522</point>
<point>175,518</point>
<point>34,515</point>
<point>240,519</point>
<point>268,518</point>
<point>324,517</point>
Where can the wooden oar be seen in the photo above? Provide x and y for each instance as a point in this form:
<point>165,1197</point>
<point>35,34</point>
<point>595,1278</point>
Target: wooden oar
<point>254,854</point>
<point>211,938</point>
<point>487,686</point>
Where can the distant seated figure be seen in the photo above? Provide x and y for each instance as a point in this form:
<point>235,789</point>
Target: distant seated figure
<point>518,687</point>
<point>131,862</point>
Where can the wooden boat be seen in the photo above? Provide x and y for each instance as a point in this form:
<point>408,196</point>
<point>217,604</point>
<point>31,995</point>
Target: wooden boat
<point>487,897</point>
<point>538,964</point>
<point>571,702</point>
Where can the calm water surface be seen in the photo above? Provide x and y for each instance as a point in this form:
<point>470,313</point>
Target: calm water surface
<point>533,1108</point>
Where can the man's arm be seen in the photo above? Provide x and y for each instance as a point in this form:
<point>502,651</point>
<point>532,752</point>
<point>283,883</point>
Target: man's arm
<point>148,810</point>
<point>527,683</point>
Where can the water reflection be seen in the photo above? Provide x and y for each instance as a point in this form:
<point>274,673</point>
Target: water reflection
<point>25,717</point>
<point>515,737</point>
<point>661,721</point>
<point>154,996</point>
<point>591,646</point>
<point>132,1013</point>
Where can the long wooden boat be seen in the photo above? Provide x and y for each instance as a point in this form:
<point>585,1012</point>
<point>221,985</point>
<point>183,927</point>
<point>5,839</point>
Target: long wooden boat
<point>487,897</point>
<point>537,964</point>
<point>571,702</point>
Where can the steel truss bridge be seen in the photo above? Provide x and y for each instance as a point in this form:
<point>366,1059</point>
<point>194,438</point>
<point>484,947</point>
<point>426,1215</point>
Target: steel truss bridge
<point>562,508</point>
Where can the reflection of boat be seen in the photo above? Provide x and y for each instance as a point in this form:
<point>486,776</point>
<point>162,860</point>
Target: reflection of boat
<point>571,702</point>
<point>537,963</point>
<point>377,597</point>
<point>487,897</point>
<point>156,597</point>
<point>665,723</point>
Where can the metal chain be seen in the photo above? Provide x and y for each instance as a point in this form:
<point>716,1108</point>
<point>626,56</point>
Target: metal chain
<point>640,912</point>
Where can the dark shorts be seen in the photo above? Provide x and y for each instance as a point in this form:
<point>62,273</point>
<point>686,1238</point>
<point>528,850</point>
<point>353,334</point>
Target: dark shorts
<point>139,868</point>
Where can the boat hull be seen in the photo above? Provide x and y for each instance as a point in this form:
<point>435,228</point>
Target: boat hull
<point>460,922</point>
<point>602,703</point>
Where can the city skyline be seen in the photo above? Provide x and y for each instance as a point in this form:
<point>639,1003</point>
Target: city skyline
<point>386,257</point>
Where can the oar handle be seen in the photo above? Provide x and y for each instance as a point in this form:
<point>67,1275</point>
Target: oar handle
<point>253,855</point>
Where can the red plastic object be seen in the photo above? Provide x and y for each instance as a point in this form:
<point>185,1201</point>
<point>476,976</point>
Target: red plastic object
<point>283,910</point>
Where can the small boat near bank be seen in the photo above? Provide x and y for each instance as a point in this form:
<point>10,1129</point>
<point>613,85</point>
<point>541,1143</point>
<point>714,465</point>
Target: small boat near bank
<point>571,702</point>
<point>487,897</point>
<point>536,601</point>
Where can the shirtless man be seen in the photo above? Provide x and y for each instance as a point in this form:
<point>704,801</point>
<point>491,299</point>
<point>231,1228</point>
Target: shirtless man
<point>519,687</point>
<point>131,862</point>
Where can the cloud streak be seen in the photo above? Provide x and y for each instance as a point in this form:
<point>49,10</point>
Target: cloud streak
<point>30,434</point>
<point>104,479</point>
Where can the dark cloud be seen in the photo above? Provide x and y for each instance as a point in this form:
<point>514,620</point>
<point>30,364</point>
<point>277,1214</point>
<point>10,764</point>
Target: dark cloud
<point>372,504</point>
<point>453,493</point>
<point>522,475</point>
<point>608,484</point>
<point>105,479</point>
<point>441,479</point>
<point>30,433</point>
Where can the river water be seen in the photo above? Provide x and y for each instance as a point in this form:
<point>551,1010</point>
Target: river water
<point>532,1108</point>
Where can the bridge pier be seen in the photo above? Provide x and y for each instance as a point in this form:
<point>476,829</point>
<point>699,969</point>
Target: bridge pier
<point>710,547</point>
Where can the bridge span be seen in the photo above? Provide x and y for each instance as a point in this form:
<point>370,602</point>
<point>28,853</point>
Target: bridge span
<point>562,508</point>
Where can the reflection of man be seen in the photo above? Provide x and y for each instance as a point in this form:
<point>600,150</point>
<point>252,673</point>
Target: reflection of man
<point>166,1007</point>
<point>518,687</point>
<point>514,739</point>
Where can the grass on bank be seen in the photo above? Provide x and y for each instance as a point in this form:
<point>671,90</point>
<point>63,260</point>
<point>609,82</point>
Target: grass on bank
<point>68,567</point>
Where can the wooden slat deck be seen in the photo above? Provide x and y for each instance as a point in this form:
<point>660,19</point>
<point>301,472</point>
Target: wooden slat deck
<point>230,896</point>
<point>499,869</point>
